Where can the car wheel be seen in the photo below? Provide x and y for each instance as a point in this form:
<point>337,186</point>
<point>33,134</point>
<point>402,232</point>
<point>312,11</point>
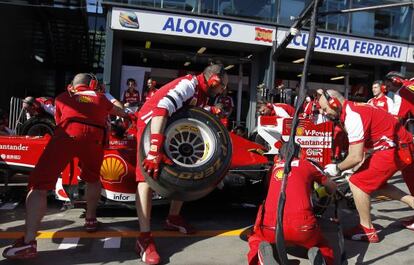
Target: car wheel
<point>38,126</point>
<point>200,147</point>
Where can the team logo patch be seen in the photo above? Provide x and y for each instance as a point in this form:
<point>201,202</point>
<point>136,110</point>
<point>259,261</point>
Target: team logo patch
<point>113,169</point>
<point>85,99</point>
<point>263,34</point>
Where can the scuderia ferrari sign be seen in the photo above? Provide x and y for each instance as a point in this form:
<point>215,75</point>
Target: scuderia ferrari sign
<point>189,26</point>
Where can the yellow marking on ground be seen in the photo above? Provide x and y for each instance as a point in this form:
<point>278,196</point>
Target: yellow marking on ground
<point>126,233</point>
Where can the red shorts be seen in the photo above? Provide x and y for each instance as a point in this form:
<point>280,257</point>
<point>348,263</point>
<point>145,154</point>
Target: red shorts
<point>87,145</point>
<point>299,230</point>
<point>376,170</point>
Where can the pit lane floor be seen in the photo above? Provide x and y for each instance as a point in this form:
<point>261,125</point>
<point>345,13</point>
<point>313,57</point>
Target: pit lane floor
<point>221,239</point>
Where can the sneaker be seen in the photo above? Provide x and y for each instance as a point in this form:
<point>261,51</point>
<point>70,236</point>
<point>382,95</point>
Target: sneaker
<point>408,223</point>
<point>21,250</point>
<point>91,225</point>
<point>265,254</point>
<point>145,248</point>
<point>177,223</point>
<point>361,233</point>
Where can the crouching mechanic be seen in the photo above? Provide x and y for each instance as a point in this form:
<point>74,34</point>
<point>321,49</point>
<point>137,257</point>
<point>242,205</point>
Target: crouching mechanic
<point>190,90</point>
<point>387,145</point>
<point>300,226</point>
<point>80,131</point>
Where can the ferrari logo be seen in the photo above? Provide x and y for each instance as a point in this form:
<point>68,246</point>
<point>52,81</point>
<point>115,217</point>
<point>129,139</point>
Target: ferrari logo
<point>113,169</point>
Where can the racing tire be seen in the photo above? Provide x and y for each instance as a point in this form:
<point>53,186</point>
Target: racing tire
<point>199,146</point>
<point>38,126</point>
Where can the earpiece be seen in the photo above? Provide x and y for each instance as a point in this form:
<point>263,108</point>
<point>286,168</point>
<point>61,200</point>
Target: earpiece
<point>214,81</point>
<point>383,88</point>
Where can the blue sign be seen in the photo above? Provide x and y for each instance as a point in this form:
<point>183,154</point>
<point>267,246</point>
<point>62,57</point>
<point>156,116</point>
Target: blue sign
<point>200,27</point>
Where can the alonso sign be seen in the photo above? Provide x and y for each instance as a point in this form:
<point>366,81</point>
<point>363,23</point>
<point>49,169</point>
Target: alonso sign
<point>187,26</point>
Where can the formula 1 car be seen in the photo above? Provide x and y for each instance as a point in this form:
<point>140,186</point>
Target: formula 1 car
<point>198,144</point>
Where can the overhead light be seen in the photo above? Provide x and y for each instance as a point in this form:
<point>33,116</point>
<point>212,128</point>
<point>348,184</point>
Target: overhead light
<point>147,44</point>
<point>341,65</point>
<point>144,59</point>
<point>301,60</point>
<point>187,63</point>
<point>228,67</point>
<point>338,77</point>
<point>299,75</point>
<point>38,58</point>
<point>249,56</point>
<point>201,50</point>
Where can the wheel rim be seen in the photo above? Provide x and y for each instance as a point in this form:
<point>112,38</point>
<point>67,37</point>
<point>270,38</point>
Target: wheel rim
<point>39,130</point>
<point>189,142</point>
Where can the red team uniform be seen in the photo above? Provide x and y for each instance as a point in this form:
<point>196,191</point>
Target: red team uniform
<point>131,97</point>
<point>80,132</point>
<point>187,90</point>
<point>381,134</point>
<point>382,102</point>
<point>300,226</point>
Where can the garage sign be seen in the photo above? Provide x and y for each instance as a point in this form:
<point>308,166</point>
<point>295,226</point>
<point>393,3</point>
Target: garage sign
<point>350,46</point>
<point>188,26</point>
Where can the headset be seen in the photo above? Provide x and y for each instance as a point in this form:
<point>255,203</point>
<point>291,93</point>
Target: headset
<point>383,87</point>
<point>396,78</point>
<point>215,79</point>
<point>93,84</point>
<point>333,102</point>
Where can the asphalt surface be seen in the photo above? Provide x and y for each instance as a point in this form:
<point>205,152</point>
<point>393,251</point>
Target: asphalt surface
<point>223,225</point>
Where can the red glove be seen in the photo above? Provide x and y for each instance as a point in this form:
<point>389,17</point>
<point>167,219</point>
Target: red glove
<point>215,110</point>
<point>155,156</point>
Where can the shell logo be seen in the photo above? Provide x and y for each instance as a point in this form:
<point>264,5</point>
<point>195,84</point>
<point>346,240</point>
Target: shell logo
<point>113,169</point>
<point>299,131</point>
<point>279,174</point>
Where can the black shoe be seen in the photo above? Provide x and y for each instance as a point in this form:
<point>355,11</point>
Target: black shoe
<point>265,254</point>
<point>315,256</point>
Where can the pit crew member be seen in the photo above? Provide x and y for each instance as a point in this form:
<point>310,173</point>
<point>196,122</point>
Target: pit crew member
<point>380,100</point>
<point>300,226</point>
<point>387,145</point>
<point>81,115</point>
<point>131,95</point>
<point>281,110</point>
<point>151,84</point>
<point>190,90</point>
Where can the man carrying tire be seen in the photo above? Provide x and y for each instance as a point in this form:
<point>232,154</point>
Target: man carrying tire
<point>300,226</point>
<point>190,90</point>
<point>81,115</point>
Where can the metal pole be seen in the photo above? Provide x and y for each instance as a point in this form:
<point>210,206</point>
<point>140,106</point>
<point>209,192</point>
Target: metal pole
<point>367,8</point>
<point>280,239</point>
<point>239,93</point>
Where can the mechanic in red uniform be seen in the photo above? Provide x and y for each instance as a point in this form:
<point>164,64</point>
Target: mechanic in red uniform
<point>300,226</point>
<point>281,110</point>
<point>151,84</point>
<point>403,97</point>
<point>226,104</point>
<point>131,95</point>
<point>386,144</point>
<point>80,127</point>
<point>190,90</point>
<point>38,106</point>
<point>380,100</point>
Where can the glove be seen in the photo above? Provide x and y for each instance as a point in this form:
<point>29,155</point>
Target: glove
<point>155,156</point>
<point>294,31</point>
<point>215,110</point>
<point>332,170</point>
